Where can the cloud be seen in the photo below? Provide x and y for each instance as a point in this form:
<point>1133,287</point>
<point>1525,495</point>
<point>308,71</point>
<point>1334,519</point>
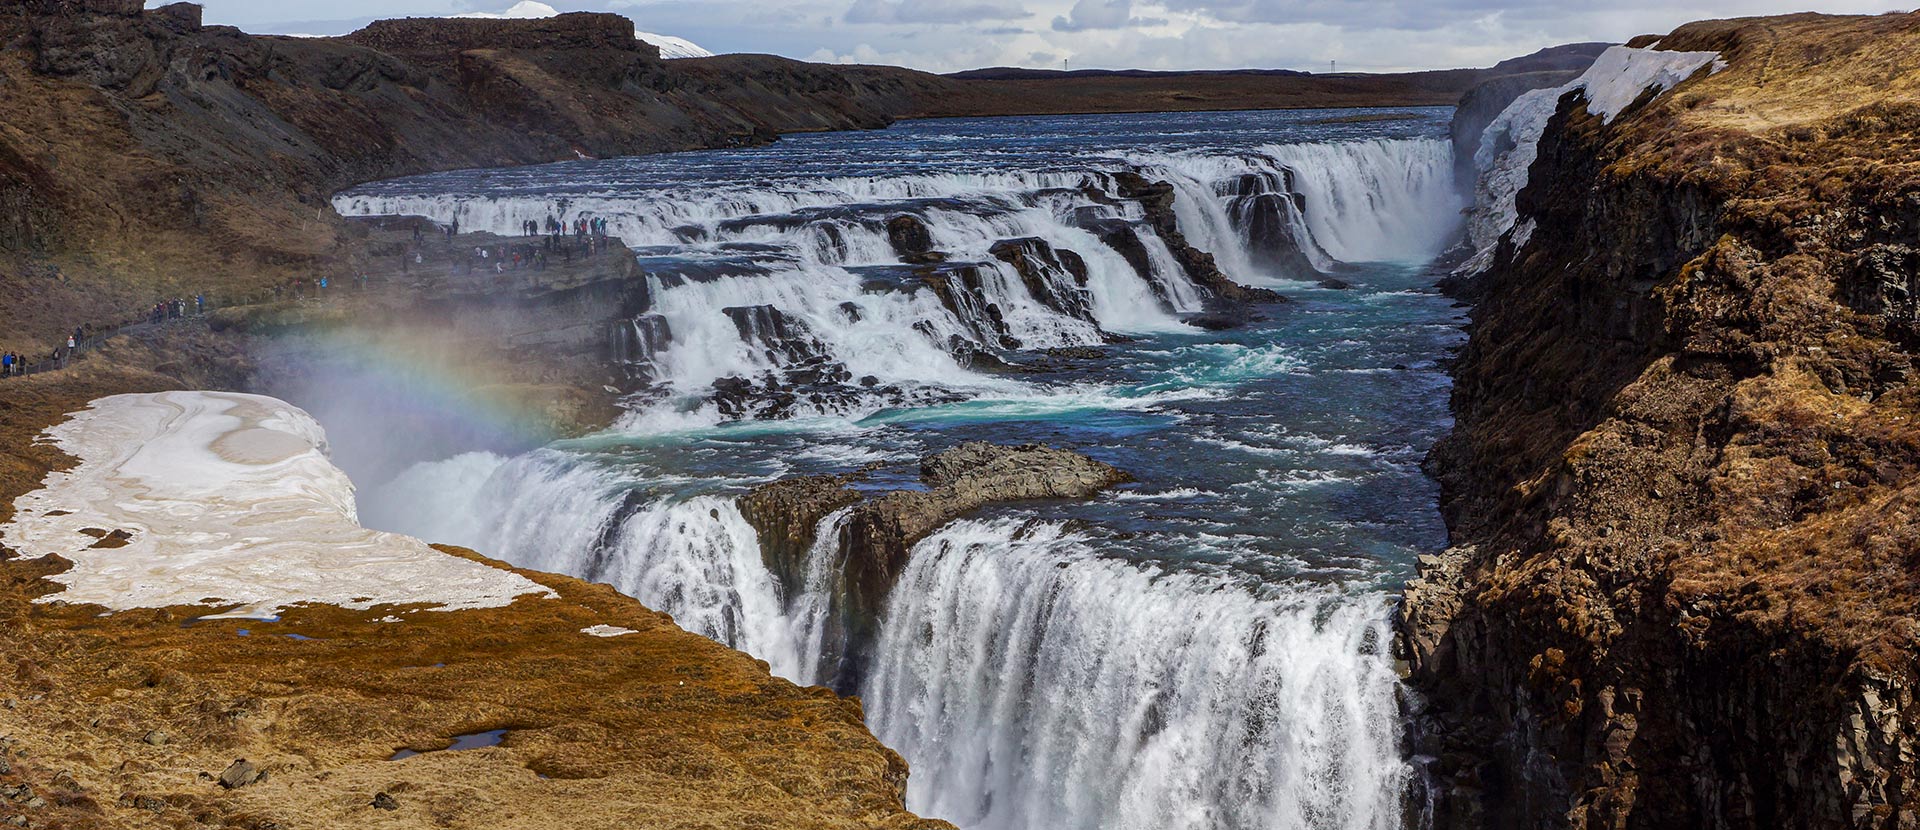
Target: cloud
<point>1095,14</point>
<point>932,11</point>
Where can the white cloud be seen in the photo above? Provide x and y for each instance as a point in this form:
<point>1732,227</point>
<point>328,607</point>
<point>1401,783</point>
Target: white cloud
<point>933,11</point>
<point>937,35</point>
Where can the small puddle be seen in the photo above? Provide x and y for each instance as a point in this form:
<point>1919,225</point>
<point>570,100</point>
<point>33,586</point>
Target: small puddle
<point>473,740</point>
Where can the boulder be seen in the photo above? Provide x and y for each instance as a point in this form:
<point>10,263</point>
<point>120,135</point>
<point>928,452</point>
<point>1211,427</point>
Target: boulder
<point>880,531</point>
<point>241,773</point>
<point>912,240</point>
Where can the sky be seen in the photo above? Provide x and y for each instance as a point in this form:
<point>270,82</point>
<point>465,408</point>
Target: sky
<point>950,35</point>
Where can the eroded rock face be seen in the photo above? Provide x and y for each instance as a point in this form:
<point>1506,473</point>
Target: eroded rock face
<point>1684,481</point>
<point>912,240</point>
<point>1156,198</point>
<point>882,528</point>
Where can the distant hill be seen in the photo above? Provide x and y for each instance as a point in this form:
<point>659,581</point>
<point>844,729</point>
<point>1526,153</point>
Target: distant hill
<point>1012,73</point>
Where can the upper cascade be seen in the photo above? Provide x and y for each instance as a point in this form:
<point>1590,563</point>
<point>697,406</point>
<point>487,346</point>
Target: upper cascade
<point>840,295</point>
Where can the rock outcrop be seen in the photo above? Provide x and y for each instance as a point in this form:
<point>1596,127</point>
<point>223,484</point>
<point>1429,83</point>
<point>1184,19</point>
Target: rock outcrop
<point>1156,199</point>
<point>1684,478</point>
<point>881,529</point>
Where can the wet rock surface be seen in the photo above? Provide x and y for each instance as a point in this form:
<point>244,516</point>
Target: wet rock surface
<point>882,528</point>
<point>1156,198</point>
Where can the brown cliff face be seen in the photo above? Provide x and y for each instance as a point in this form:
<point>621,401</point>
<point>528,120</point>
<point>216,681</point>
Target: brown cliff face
<point>1684,478</point>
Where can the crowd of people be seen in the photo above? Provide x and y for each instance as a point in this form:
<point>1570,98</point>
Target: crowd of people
<point>562,241</point>
<point>85,336</point>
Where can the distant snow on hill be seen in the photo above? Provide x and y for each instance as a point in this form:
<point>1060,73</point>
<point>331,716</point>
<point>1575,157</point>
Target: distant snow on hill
<point>523,10</point>
<point>675,47</point>
<point>670,46</point>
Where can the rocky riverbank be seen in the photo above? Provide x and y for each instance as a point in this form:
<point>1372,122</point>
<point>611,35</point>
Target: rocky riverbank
<point>1682,481</point>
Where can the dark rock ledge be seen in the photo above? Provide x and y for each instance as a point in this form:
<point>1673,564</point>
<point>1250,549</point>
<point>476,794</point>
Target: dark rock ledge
<point>883,526</point>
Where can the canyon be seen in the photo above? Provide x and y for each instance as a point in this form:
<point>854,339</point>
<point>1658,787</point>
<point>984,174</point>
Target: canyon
<point>1676,491</point>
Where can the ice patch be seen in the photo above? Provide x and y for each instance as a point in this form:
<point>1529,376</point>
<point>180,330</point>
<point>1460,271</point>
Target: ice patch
<point>1508,147</point>
<point>225,499</point>
<point>669,46</point>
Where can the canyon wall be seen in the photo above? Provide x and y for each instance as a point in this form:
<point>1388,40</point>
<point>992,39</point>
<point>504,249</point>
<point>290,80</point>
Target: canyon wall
<point>1683,483</point>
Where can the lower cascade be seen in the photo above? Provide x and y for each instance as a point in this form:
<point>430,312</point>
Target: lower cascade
<point>1038,685</point>
<point>1208,648</point>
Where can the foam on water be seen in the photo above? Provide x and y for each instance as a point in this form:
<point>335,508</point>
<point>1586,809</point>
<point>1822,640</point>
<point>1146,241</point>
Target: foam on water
<point>1036,685</point>
<point>1200,667</point>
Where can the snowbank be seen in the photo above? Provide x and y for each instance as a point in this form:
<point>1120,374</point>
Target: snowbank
<point>1510,143</point>
<point>670,46</point>
<point>225,499</point>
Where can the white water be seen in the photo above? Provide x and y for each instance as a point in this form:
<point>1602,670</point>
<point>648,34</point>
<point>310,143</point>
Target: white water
<point>1030,682</point>
<point>818,251</point>
<point>810,610</point>
<point>1036,685</point>
<point>1375,200</point>
<point>694,558</point>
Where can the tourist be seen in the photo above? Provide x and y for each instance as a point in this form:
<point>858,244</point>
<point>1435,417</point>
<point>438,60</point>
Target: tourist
<point>6,365</point>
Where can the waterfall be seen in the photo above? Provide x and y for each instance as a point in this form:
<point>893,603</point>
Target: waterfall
<point>1329,202</point>
<point>811,609</point>
<point>1033,678</point>
<point>694,558</point>
<point>889,289</point>
<point>1034,684</point>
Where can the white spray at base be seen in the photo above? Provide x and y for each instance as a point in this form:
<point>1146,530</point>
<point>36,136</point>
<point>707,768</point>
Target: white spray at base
<point>1030,682</point>
<point>1512,141</point>
<point>1033,684</point>
<point>694,558</point>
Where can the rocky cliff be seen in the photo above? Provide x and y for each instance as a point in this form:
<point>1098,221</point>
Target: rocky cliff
<point>1684,479</point>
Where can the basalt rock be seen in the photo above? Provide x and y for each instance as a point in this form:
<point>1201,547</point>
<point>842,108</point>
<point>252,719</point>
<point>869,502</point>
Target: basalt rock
<point>912,240</point>
<point>1684,482</point>
<point>1156,199</point>
<point>1055,276</point>
<point>881,529</point>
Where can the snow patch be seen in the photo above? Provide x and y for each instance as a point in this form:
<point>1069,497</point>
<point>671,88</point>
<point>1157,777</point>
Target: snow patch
<point>189,498</point>
<point>1508,147</point>
<point>670,46</point>
<point>604,630</point>
<point>523,10</point>
<point>674,47</point>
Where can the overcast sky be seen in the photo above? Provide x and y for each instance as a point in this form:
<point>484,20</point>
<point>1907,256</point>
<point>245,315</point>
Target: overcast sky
<point>947,35</point>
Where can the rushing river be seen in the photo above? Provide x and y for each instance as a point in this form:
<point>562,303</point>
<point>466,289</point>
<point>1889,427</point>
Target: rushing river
<point>1207,648</point>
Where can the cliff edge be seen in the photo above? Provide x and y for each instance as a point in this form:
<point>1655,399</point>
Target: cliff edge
<point>1684,480</point>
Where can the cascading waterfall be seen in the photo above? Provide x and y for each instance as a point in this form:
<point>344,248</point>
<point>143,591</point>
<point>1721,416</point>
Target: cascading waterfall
<point>694,558</point>
<point>1013,260</point>
<point>1037,685</point>
<point>811,608</point>
<point>1033,678</point>
<point>1334,202</point>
